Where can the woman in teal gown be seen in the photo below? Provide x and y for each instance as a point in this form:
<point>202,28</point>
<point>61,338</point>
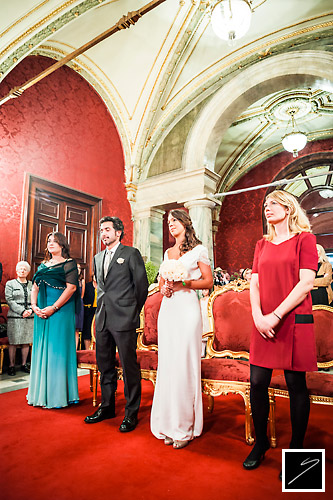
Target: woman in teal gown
<point>53,374</point>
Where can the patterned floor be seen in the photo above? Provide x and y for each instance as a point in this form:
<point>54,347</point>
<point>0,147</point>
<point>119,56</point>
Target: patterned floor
<point>21,380</point>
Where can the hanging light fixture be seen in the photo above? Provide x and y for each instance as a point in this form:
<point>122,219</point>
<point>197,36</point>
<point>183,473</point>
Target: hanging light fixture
<point>231,19</point>
<point>295,140</point>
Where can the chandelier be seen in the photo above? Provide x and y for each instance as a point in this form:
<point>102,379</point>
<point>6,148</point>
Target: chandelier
<point>231,19</point>
<point>295,140</point>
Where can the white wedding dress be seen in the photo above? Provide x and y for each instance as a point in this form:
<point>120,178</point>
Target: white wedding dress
<point>177,403</point>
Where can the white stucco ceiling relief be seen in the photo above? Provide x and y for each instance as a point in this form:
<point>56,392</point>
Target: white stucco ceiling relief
<point>171,63</point>
<point>256,134</point>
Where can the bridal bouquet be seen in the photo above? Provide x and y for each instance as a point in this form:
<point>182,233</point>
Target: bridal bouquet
<point>173,270</point>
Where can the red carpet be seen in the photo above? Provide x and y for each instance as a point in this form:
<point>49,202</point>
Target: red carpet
<point>53,454</point>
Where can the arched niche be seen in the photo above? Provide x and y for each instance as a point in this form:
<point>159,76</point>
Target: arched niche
<point>290,70</point>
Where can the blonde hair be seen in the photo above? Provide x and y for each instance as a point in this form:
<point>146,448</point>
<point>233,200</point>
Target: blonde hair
<point>25,264</point>
<point>298,221</point>
<point>322,257</point>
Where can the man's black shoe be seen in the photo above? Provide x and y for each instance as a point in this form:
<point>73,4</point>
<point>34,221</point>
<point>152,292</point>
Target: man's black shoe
<point>128,424</point>
<point>99,415</point>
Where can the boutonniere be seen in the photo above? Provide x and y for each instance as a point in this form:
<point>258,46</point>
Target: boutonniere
<point>120,260</point>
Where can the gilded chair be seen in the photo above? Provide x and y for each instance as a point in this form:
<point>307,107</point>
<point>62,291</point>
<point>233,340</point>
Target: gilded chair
<point>4,342</point>
<point>147,348</point>
<point>320,384</point>
<point>86,359</point>
<point>225,368</point>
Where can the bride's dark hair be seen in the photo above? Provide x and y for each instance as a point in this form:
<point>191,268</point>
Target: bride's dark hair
<point>190,240</point>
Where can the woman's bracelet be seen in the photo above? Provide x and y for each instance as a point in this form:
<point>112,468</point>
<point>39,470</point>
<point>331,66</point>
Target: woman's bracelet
<point>56,308</point>
<point>277,315</point>
<point>184,283</point>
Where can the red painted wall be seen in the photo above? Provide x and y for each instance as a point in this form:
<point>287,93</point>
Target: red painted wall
<point>241,215</point>
<point>61,130</point>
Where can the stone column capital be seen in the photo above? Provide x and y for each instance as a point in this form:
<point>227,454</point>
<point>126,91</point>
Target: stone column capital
<point>207,201</point>
<point>157,213</point>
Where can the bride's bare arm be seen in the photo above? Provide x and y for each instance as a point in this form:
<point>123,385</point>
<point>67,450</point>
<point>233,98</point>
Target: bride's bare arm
<point>206,280</point>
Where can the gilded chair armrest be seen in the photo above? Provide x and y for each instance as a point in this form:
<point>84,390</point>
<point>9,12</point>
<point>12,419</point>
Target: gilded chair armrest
<point>207,335</point>
<point>139,332</point>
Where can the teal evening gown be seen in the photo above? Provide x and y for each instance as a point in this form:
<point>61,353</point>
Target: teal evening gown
<point>53,372</point>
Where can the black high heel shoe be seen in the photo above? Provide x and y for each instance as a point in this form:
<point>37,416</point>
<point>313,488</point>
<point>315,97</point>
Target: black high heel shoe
<point>255,458</point>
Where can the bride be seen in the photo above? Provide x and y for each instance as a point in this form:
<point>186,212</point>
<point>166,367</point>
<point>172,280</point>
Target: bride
<point>176,415</point>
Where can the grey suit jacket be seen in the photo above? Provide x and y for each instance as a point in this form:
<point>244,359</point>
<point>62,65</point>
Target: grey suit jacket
<point>15,298</point>
<point>121,296</point>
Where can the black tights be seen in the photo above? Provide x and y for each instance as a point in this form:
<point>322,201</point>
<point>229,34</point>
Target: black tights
<point>299,404</point>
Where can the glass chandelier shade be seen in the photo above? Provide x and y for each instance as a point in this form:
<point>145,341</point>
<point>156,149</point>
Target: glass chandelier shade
<point>294,141</point>
<point>231,19</point>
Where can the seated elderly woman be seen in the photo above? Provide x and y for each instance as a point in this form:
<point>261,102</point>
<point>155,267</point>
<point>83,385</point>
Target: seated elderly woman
<point>20,323</point>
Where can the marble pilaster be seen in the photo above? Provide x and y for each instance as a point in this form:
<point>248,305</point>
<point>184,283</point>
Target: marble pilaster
<point>201,213</point>
<point>148,234</point>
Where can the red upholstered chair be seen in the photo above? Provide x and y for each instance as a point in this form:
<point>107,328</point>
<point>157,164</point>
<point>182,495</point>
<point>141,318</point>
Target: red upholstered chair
<point>320,384</point>
<point>147,334</point>
<point>87,359</point>
<point>4,342</point>
<point>147,337</point>
<point>226,368</point>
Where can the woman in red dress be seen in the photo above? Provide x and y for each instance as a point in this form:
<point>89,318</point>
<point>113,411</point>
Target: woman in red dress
<point>284,268</point>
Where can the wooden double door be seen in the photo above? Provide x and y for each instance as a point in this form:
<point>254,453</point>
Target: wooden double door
<point>55,208</point>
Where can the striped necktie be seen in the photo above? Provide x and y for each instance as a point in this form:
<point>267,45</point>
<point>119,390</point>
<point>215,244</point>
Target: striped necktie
<point>107,260</point>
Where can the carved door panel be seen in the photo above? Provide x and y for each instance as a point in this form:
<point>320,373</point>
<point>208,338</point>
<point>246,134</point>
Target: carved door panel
<point>53,208</point>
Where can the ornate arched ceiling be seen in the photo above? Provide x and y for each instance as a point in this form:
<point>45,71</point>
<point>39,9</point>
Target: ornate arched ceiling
<point>156,72</point>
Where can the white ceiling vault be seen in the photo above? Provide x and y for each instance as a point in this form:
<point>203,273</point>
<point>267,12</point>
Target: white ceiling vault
<point>170,63</point>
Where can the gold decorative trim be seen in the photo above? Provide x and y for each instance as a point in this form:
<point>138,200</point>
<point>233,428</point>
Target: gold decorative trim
<point>151,69</point>
<point>18,21</point>
<point>160,71</point>
<point>140,331</point>
<point>88,68</point>
<point>215,388</point>
<point>236,286</point>
<point>267,44</point>
<point>37,25</point>
<point>322,307</point>
<point>323,400</point>
<point>76,65</point>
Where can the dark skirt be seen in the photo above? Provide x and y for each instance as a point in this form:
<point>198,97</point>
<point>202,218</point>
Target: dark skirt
<point>319,296</point>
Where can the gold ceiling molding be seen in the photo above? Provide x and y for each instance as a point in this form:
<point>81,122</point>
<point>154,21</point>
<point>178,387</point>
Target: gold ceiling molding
<point>152,67</point>
<point>185,62</point>
<point>37,25</point>
<point>80,63</point>
<point>18,21</point>
<point>162,66</point>
<point>207,3</point>
<point>215,73</point>
<point>253,50</point>
<point>124,23</point>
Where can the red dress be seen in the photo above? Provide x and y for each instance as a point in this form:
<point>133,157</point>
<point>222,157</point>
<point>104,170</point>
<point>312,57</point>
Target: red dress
<point>293,347</point>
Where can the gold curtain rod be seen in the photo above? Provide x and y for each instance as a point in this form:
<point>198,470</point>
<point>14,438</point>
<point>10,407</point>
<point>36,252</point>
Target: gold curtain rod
<point>123,23</point>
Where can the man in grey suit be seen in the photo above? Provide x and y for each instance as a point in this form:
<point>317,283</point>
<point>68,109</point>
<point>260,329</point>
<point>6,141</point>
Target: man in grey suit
<point>122,288</point>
